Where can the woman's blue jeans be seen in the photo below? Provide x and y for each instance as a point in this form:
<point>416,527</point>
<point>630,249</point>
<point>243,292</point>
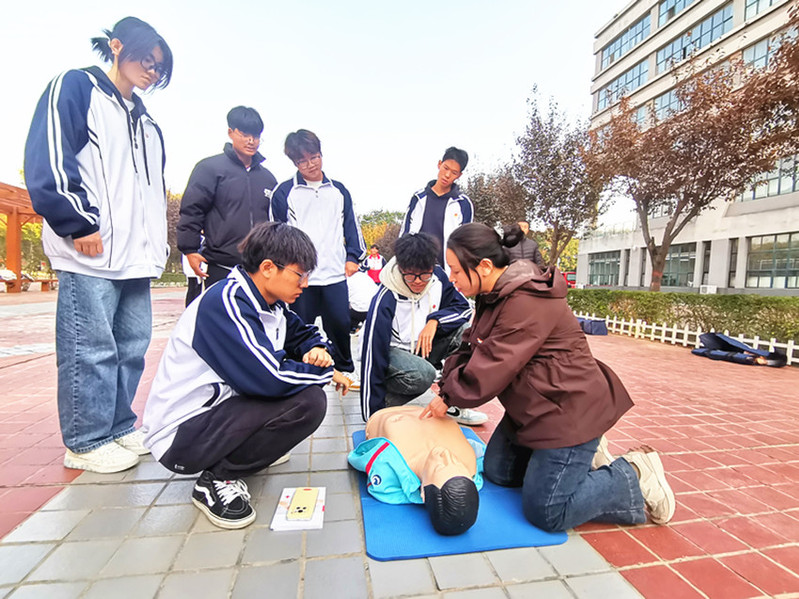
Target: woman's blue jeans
<point>559,489</point>
<point>103,329</point>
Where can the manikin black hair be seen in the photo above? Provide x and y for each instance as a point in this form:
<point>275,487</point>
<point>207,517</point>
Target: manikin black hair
<point>453,507</point>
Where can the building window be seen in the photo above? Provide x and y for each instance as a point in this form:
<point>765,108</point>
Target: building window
<point>755,6</point>
<point>627,82</point>
<point>705,262</point>
<point>757,55</point>
<point>679,268</point>
<point>783,179</point>
<point>733,262</point>
<point>628,40</point>
<point>671,8</point>
<point>773,261</point>
<point>666,105</point>
<point>644,257</point>
<point>603,268</point>
<point>626,267</point>
<point>700,36</point>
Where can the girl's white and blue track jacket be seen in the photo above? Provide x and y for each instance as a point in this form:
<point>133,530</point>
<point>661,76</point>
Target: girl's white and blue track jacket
<point>93,163</point>
<point>229,342</point>
<point>395,320</point>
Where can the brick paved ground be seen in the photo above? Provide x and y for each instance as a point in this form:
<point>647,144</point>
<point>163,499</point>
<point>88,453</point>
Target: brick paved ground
<point>729,434</point>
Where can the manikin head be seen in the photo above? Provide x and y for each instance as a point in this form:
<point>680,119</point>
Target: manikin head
<point>450,496</point>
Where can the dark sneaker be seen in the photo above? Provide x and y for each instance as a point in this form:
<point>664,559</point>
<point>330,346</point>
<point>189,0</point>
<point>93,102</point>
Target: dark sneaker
<point>226,503</point>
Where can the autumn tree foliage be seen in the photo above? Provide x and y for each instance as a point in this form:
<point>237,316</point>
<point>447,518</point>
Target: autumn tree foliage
<point>381,228</point>
<point>732,124</point>
<point>497,197</point>
<point>559,192</point>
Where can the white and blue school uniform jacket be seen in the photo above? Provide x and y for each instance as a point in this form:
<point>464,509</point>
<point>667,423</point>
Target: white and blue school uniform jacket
<point>395,320</point>
<point>227,343</point>
<point>459,211</point>
<point>327,217</point>
<point>92,163</point>
<point>389,478</point>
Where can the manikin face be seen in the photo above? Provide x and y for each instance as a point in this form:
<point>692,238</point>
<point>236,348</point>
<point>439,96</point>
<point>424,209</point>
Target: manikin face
<point>440,466</point>
<point>460,278</point>
<point>244,144</point>
<point>145,72</point>
<point>310,166</point>
<point>285,284</point>
<point>449,171</point>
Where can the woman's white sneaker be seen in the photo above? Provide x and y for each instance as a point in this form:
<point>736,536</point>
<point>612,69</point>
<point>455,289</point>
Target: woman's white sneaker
<point>658,496</point>
<point>105,459</point>
<point>467,416</point>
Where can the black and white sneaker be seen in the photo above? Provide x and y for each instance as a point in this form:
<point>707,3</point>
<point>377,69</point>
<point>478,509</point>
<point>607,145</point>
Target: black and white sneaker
<point>226,503</point>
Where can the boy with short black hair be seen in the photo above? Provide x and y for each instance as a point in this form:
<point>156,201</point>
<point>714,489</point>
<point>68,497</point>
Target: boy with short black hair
<point>441,207</point>
<point>323,209</point>
<point>414,322</point>
<point>240,382</point>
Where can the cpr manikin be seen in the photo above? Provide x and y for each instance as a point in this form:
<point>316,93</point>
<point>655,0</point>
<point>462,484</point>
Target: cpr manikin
<point>430,461</point>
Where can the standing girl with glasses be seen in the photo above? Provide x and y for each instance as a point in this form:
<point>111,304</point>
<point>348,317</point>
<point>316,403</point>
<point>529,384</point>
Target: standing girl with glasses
<point>94,164</point>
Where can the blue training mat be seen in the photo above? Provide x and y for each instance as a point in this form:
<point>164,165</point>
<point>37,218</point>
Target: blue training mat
<point>404,531</point>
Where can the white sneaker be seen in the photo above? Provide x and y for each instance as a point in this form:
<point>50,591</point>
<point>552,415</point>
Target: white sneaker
<point>281,460</point>
<point>658,496</point>
<point>602,457</point>
<point>355,385</point>
<point>105,459</point>
<point>133,442</point>
<point>467,417</point>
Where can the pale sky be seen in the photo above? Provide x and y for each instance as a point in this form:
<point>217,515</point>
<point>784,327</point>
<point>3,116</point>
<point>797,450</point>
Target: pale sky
<point>386,86</point>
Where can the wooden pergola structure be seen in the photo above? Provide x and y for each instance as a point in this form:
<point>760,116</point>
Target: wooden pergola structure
<point>15,206</point>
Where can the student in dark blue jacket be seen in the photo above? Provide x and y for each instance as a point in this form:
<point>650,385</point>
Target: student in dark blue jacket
<point>323,209</point>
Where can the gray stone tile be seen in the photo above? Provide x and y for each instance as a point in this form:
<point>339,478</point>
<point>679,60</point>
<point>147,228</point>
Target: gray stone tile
<point>219,549</point>
<point>148,471</point>
<point>167,520</point>
<point>459,571</point>
<point>340,506</point>
<point>19,560</point>
<point>57,590</point>
<point>264,545</point>
<point>176,492</point>
<point>401,577</point>
<point>133,494</point>
<point>550,589</point>
<point>329,445</point>
<point>574,557</point>
<point>329,461</point>
<point>283,580</point>
<point>337,481</point>
<point>336,538</point>
<point>150,555</point>
<point>76,561</point>
<point>490,593</point>
<point>299,462</point>
<point>329,431</point>
<point>92,478</point>
<point>113,522</point>
<point>215,583</point>
<point>46,526</point>
<point>275,483</point>
<point>264,508</point>
<point>610,585</point>
<point>335,579</point>
<point>79,497</point>
<point>302,447</point>
<point>520,565</point>
<point>125,587</point>
<point>355,421</point>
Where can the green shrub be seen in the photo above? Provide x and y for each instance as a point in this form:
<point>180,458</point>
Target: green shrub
<point>749,315</point>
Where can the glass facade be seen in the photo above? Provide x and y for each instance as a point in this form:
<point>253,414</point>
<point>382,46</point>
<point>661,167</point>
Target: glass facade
<point>668,9</point>
<point>603,268</point>
<point>679,268</point>
<point>783,179</point>
<point>705,262</point>
<point>627,82</point>
<point>666,105</point>
<point>773,261</point>
<point>628,40</point>
<point>755,6</point>
<point>757,55</point>
<point>733,262</point>
<point>700,36</point>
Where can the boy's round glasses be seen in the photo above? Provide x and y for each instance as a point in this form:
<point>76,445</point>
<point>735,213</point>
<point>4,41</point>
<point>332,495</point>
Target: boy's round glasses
<point>410,277</point>
<point>148,64</point>
<point>248,136</point>
<point>304,276</point>
<point>305,163</point>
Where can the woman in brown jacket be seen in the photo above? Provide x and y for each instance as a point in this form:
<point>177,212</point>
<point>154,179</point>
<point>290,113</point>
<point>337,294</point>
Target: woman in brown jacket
<point>526,348</point>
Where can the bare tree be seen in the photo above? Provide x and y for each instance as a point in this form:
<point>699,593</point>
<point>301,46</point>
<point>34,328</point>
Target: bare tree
<point>731,125</point>
<point>559,192</point>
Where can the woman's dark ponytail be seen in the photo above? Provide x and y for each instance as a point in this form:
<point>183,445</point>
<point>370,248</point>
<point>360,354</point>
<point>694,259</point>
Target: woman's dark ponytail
<point>102,47</point>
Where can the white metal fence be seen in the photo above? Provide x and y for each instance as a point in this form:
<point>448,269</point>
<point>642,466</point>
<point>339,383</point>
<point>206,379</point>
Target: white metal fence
<point>684,336</point>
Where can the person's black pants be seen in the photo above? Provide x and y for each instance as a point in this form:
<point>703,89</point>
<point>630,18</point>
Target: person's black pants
<point>332,303</point>
<point>216,273</point>
<point>244,435</point>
